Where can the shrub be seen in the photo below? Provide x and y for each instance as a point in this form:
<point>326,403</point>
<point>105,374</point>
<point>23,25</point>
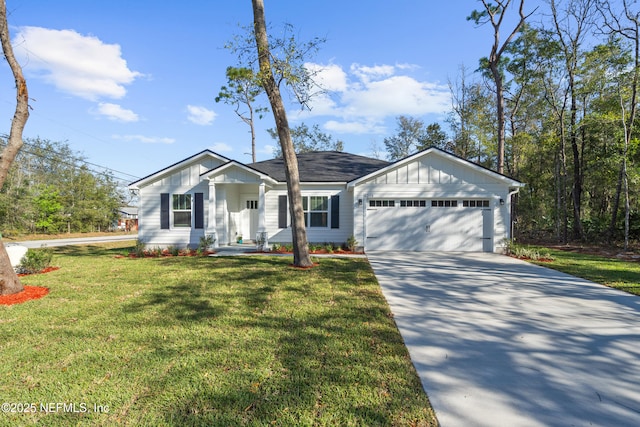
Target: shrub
<point>526,252</point>
<point>139,248</point>
<point>352,243</point>
<point>205,243</point>
<point>36,260</point>
<point>173,250</point>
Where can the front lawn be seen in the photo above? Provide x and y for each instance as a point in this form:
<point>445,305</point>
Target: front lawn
<point>205,341</point>
<point>616,273</point>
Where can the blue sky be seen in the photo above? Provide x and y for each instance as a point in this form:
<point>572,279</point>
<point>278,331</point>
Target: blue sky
<point>131,84</point>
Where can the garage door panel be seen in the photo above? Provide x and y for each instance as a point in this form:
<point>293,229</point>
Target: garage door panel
<point>394,229</point>
<point>457,229</point>
<point>424,229</point>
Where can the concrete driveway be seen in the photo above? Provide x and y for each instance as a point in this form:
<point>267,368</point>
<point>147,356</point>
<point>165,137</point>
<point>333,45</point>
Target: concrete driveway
<point>501,342</point>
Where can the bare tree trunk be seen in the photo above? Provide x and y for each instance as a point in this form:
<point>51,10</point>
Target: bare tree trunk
<point>301,256</point>
<point>9,282</point>
<point>496,13</point>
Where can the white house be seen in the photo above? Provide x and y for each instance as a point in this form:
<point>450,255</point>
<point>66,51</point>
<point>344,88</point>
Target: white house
<point>430,201</point>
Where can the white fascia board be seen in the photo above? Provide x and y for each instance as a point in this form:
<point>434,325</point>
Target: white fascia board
<point>210,174</point>
<point>435,151</point>
<point>170,169</point>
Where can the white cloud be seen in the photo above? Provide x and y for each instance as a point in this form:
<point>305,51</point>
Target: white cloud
<point>267,149</point>
<point>116,112</point>
<point>367,73</point>
<point>221,147</point>
<point>329,77</point>
<point>354,127</point>
<point>145,139</point>
<point>81,65</point>
<point>362,99</point>
<point>396,95</point>
<point>200,115</point>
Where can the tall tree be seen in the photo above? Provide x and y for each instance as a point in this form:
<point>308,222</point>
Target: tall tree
<point>307,139</point>
<point>242,89</point>
<point>411,134</point>
<point>626,24</point>
<point>9,282</point>
<point>572,25</point>
<point>301,257</point>
<point>495,14</point>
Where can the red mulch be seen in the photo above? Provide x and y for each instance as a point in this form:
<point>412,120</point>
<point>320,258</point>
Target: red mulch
<point>166,254</point>
<point>29,293</point>
<point>46,270</point>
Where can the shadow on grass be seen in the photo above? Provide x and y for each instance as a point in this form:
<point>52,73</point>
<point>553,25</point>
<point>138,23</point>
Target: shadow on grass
<point>93,250</point>
<point>204,288</point>
<point>339,360</point>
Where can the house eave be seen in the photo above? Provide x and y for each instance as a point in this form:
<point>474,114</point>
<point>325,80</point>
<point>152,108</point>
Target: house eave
<point>505,179</point>
<point>210,174</point>
<point>136,185</point>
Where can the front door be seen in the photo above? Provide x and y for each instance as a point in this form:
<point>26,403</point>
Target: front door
<point>249,217</point>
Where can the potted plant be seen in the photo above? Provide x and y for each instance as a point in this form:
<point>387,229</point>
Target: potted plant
<point>239,239</point>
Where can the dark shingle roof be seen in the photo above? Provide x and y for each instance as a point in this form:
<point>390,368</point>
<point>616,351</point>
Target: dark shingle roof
<point>323,166</point>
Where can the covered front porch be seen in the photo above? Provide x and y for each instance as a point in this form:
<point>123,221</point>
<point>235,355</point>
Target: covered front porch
<point>237,205</point>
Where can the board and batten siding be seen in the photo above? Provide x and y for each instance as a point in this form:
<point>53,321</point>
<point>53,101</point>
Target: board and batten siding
<point>433,177</point>
<point>185,179</point>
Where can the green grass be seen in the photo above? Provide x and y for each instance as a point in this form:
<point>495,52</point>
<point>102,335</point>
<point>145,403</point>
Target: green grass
<point>612,272</point>
<point>193,341</point>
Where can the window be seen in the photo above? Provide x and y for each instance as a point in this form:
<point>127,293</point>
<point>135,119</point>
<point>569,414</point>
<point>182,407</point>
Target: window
<point>316,211</point>
<point>444,203</point>
<point>413,203</point>
<point>181,210</point>
<point>382,203</point>
<point>475,203</point>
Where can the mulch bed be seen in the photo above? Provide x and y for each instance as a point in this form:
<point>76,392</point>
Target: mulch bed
<point>46,270</point>
<point>29,293</point>
<point>165,254</point>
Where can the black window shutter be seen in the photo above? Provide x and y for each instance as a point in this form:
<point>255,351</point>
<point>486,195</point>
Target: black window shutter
<point>164,211</point>
<point>335,211</point>
<point>199,211</point>
<point>282,211</point>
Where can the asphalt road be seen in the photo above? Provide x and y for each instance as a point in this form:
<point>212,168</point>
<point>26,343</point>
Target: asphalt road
<point>34,244</point>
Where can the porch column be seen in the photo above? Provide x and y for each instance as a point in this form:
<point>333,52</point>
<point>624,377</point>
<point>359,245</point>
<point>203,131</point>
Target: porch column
<point>261,208</point>
<point>211,220</point>
<point>262,238</point>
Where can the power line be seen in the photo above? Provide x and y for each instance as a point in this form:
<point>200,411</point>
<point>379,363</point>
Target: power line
<point>107,171</point>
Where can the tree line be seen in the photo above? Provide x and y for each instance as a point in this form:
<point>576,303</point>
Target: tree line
<point>50,189</point>
<point>569,85</point>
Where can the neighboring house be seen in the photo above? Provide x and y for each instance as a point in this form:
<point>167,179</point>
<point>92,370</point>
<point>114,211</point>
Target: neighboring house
<point>430,201</point>
<point>128,218</point>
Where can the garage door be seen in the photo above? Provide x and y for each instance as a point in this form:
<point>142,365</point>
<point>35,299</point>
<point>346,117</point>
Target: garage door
<point>429,225</point>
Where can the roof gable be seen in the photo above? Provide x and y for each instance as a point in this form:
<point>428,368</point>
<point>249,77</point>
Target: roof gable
<point>435,166</point>
<point>236,172</point>
<point>201,162</point>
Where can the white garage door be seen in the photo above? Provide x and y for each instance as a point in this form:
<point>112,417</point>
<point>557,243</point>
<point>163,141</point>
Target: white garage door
<point>429,225</point>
